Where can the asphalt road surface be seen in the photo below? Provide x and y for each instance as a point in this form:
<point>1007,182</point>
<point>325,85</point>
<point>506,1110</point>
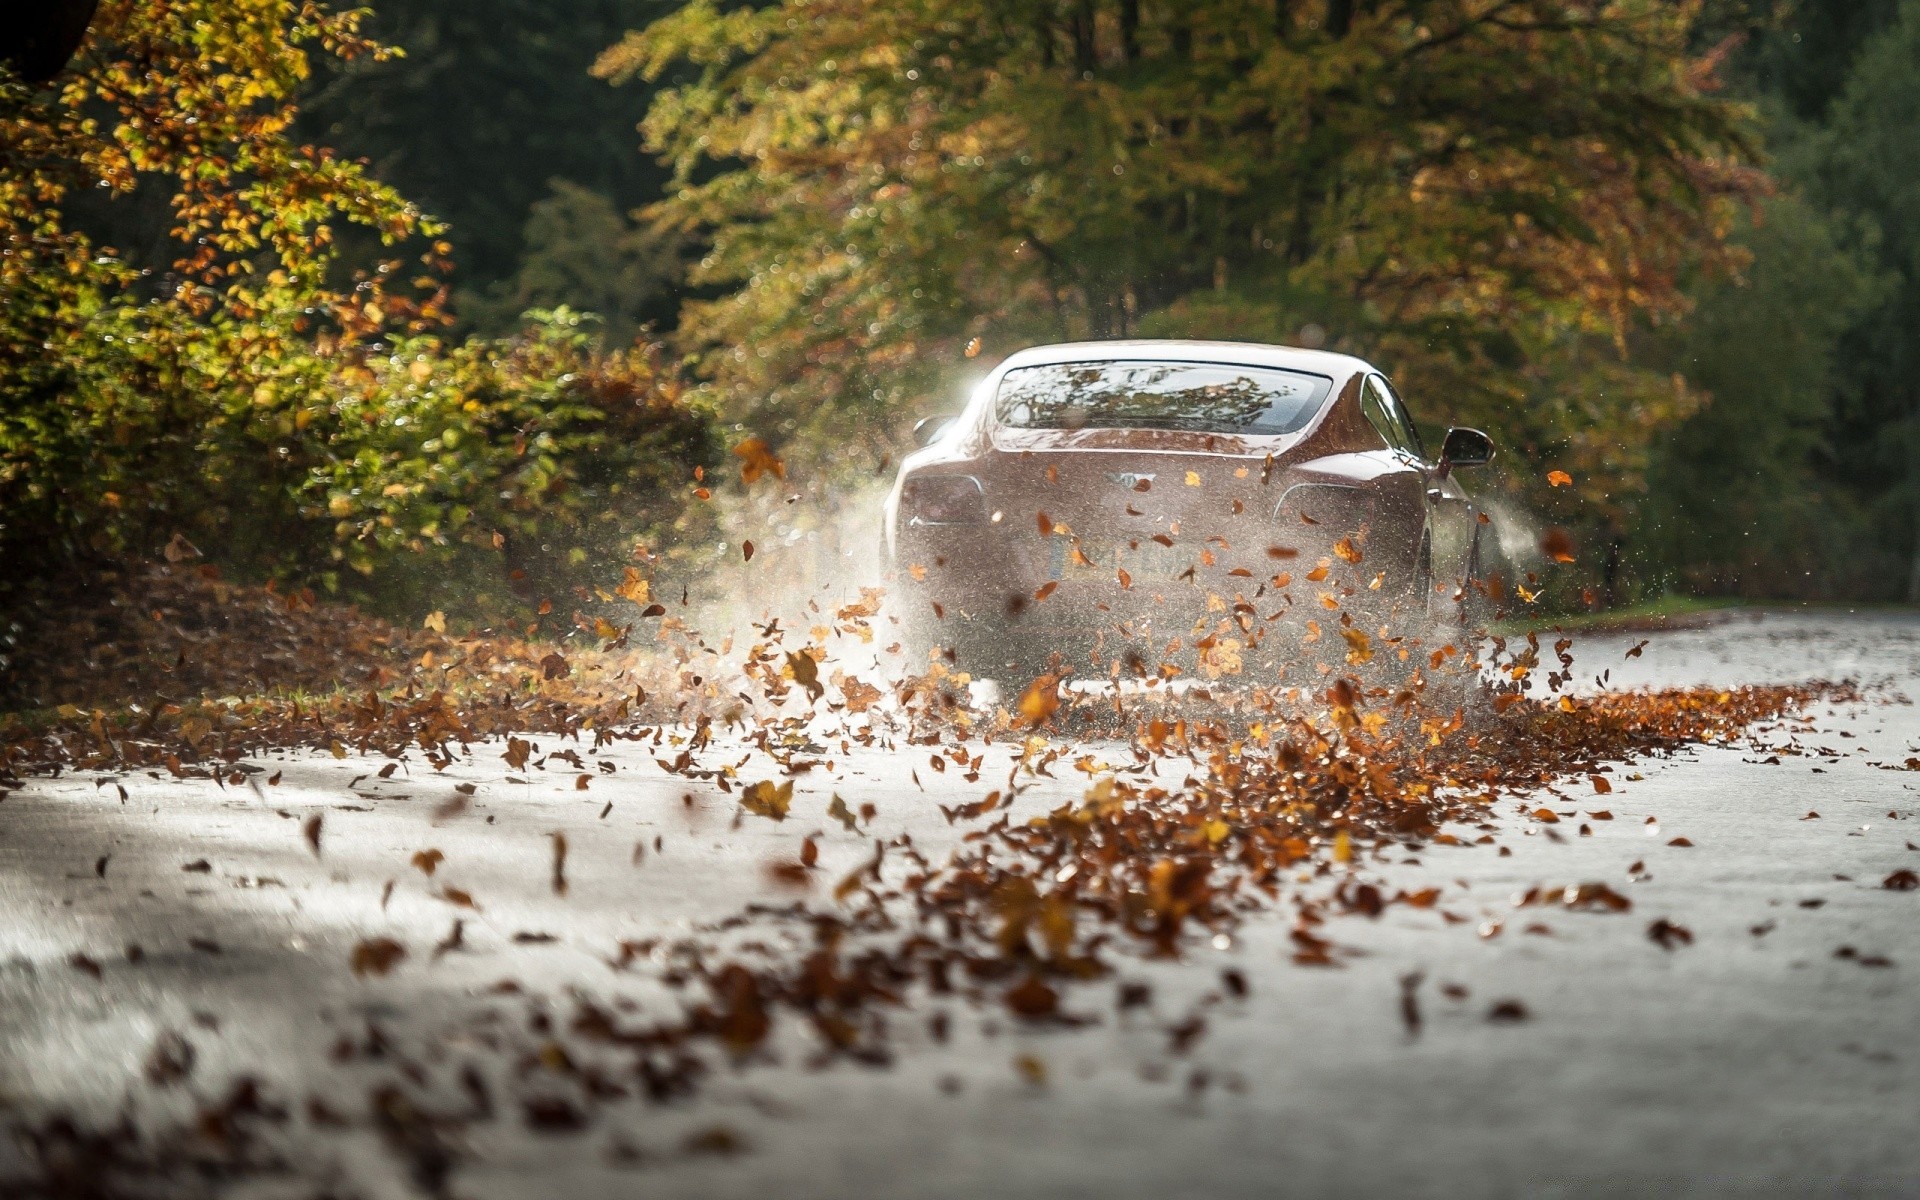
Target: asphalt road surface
<point>1779,1053</point>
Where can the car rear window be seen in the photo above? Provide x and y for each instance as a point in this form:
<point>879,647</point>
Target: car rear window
<point>1203,397</point>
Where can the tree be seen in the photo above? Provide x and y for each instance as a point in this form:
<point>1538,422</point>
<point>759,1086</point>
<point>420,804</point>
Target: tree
<point>1863,162</point>
<point>1738,502</point>
<point>488,102</point>
<point>244,385</point>
<point>1484,195</point>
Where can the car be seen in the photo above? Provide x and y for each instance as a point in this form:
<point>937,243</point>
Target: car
<point>1159,506</point>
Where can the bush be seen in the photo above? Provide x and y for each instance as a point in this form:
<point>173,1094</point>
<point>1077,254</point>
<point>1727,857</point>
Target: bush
<point>236,384</point>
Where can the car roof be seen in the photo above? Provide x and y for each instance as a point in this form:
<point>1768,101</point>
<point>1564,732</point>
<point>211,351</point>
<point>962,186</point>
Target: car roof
<point>1251,354</point>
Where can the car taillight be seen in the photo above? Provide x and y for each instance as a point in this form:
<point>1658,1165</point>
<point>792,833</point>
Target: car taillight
<point>943,500</point>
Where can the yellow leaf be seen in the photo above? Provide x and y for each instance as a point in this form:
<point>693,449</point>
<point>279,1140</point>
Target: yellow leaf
<point>633,587</point>
<point>767,799</point>
<point>1040,701</point>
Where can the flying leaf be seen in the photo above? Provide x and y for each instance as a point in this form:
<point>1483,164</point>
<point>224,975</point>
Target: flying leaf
<point>1040,700</point>
<point>768,799</point>
<point>756,460</point>
<point>806,672</point>
<point>376,956</point>
<point>1557,544</point>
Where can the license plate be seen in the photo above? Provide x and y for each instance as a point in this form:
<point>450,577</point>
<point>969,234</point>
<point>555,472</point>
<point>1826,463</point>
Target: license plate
<point>1143,559</point>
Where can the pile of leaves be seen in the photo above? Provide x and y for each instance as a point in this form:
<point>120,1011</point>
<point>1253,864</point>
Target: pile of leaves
<point>1205,807</point>
<point>167,664</point>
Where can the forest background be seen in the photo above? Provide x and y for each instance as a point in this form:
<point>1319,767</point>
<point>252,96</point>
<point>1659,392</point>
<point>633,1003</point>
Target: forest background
<point>453,306</point>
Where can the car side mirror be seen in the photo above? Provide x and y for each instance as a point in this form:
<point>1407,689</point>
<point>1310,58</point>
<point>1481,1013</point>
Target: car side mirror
<point>1465,448</point>
<point>928,429</point>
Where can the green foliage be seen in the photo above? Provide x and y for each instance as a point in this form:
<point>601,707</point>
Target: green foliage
<point>489,103</point>
<point>259,399</point>
<point>1739,504</point>
<point>1864,162</point>
<point>1485,198</point>
<point>582,252</point>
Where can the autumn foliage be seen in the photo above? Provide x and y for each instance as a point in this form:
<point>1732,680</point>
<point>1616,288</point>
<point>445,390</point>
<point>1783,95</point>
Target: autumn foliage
<point>1484,198</point>
<point>186,349</point>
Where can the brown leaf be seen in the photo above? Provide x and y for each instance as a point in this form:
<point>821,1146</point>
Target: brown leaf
<point>559,862</point>
<point>806,672</point>
<point>170,1060</point>
<point>517,752</point>
<point>376,956</point>
<point>1668,935</point>
<point>312,831</point>
<point>1032,998</point>
<point>746,551</point>
<point>786,873</point>
<point>1903,880</point>
<point>757,460</point>
<point>1600,784</point>
<point>1557,544</point>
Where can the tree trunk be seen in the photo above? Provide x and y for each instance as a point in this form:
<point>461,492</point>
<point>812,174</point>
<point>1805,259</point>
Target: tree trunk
<point>39,42</point>
<point>1339,17</point>
<point>1084,58</point>
<point>1913,573</point>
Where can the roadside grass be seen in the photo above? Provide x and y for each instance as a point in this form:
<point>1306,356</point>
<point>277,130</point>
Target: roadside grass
<point>1674,611</point>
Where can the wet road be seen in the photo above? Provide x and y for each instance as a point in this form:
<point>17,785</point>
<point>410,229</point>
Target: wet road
<point>1777,1053</point>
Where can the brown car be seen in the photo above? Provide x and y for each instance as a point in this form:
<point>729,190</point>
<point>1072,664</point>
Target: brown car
<point>1219,504</point>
